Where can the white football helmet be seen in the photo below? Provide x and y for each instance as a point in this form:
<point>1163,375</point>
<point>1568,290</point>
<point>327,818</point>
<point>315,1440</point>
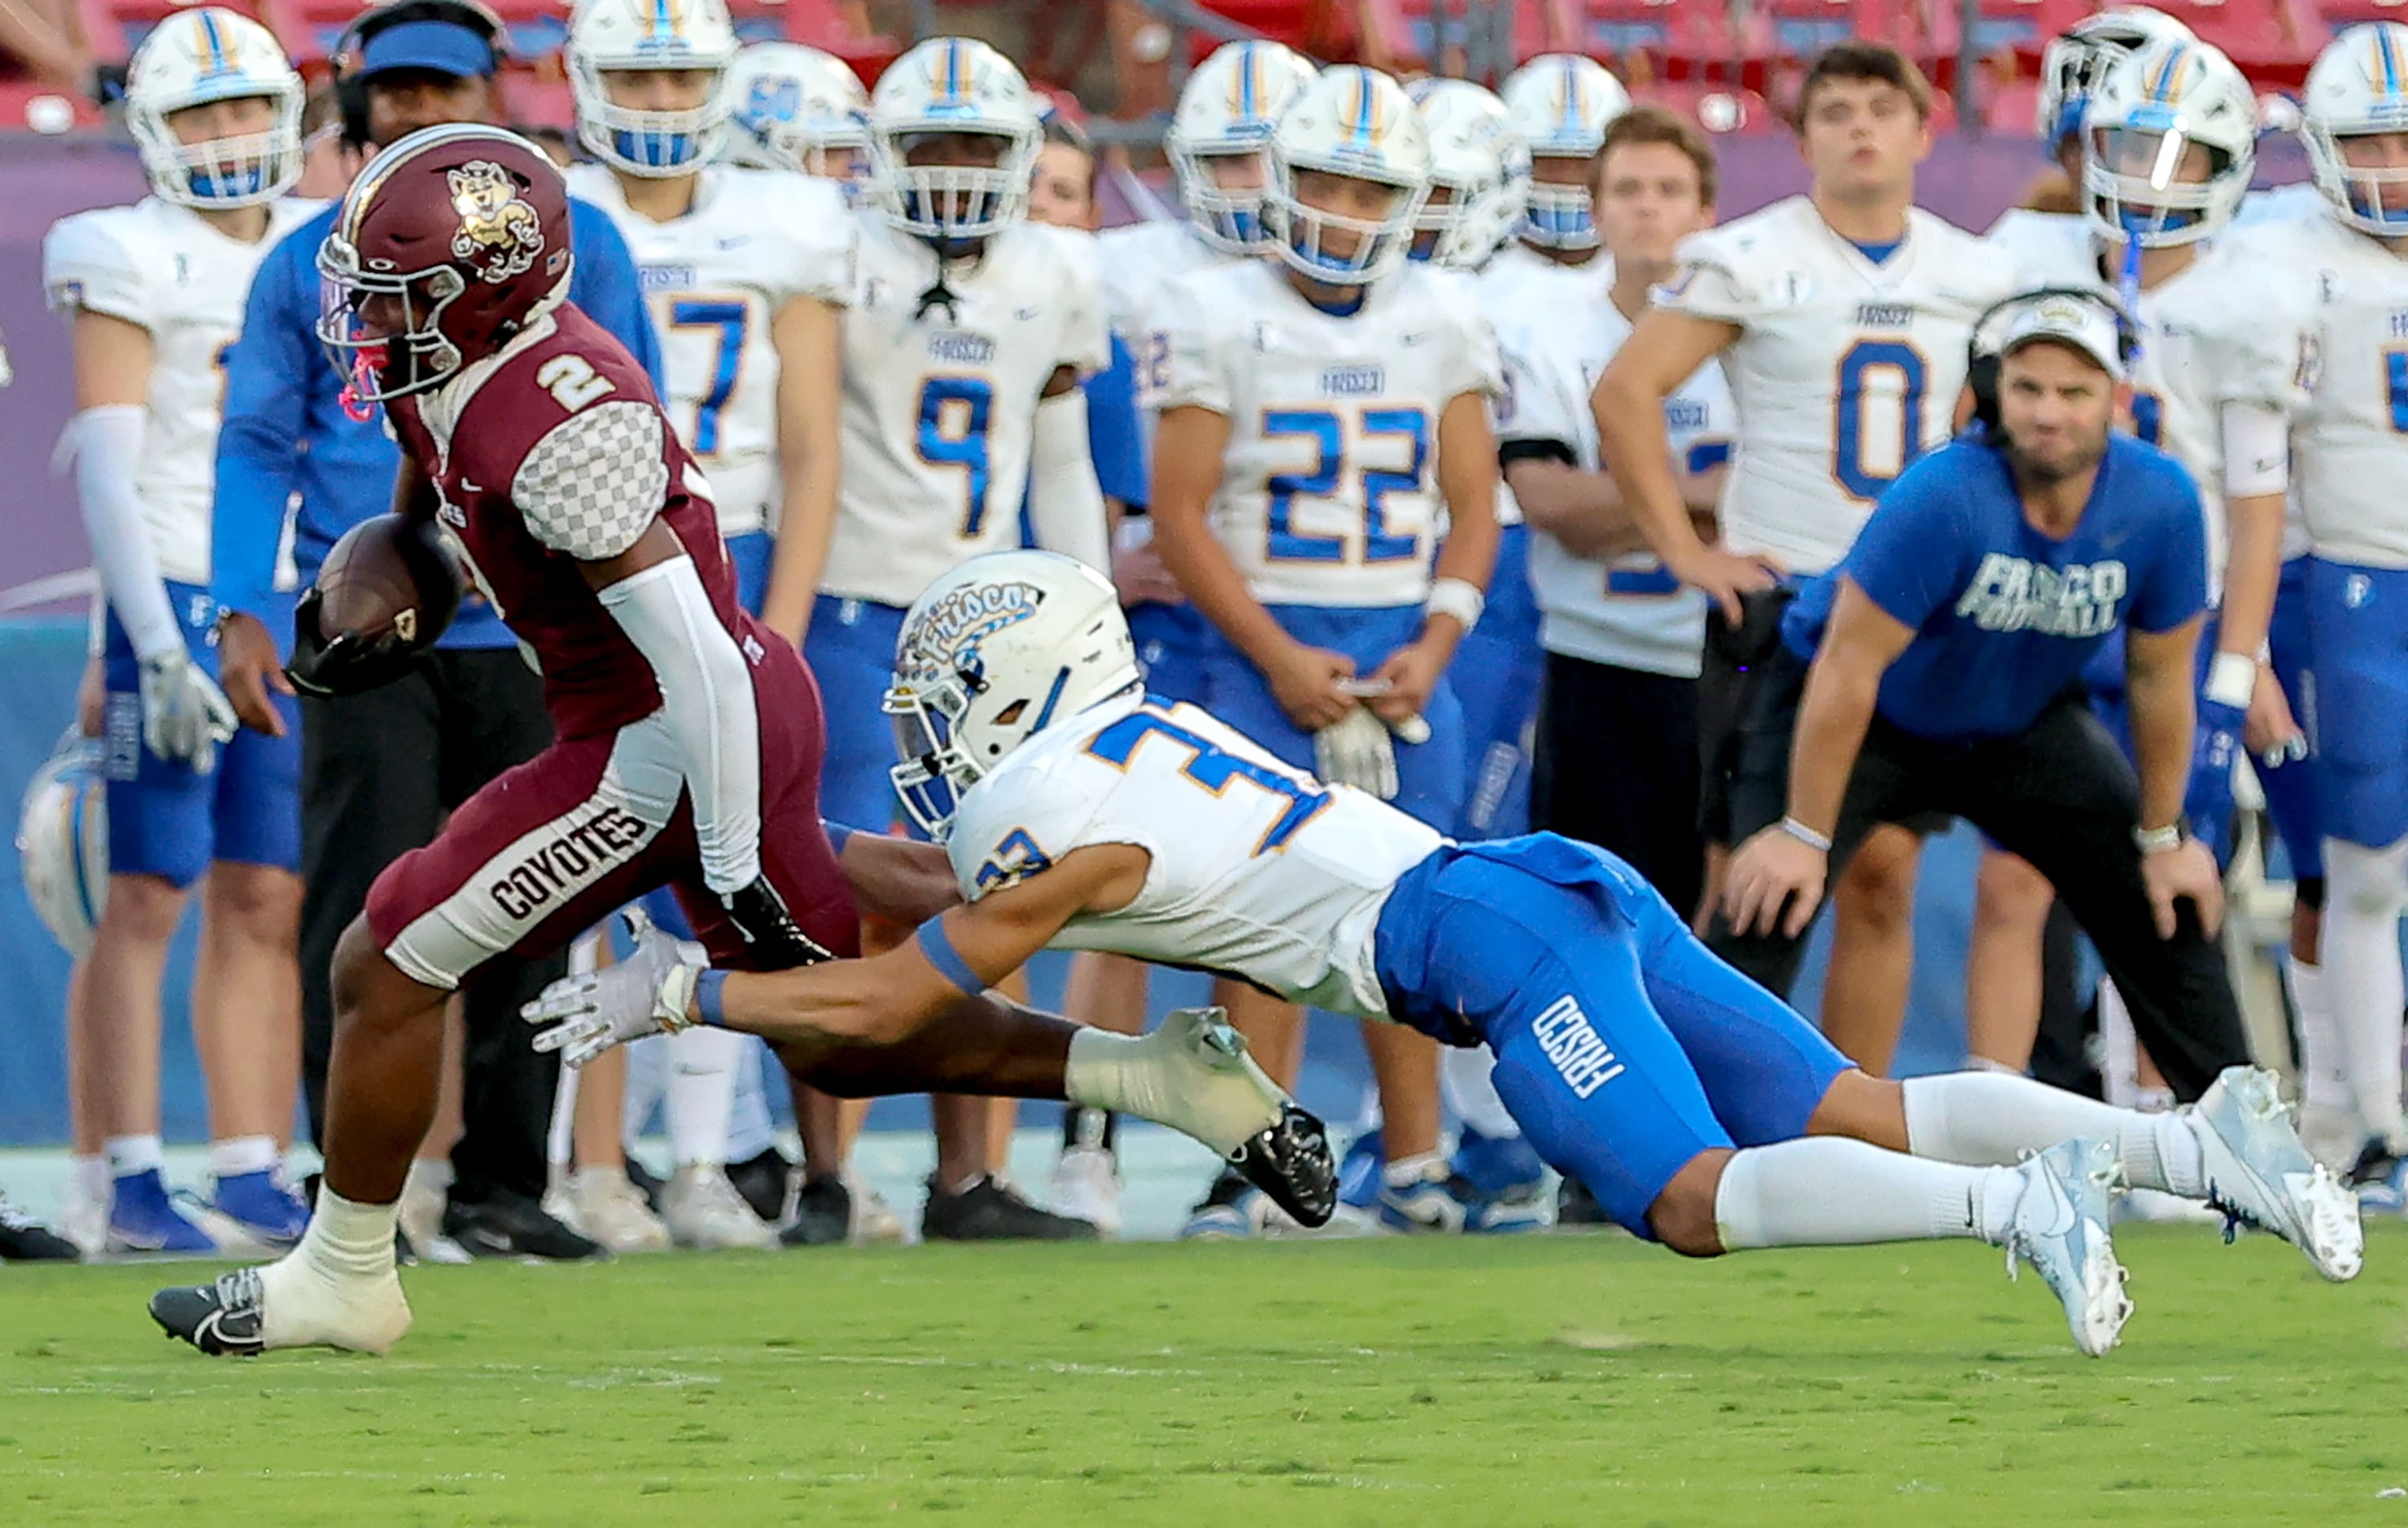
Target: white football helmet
<point>943,87</point>
<point>2359,86</point>
<point>2078,59</point>
<point>193,58</point>
<point>1356,122</point>
<point>2146,112</point>
<point>1481,164</point>
<point>990,654</point>
<point>607,36</point>
<point>1562,103</point>
<point>63,842</point>
<point>1226,112</point>
<point>798,109</point>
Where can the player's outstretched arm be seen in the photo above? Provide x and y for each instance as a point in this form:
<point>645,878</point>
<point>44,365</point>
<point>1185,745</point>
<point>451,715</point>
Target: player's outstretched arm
<point>899,881</point>
<point>807,337</point>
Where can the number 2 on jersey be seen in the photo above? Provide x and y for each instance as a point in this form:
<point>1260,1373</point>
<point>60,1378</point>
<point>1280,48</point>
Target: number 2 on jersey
<point>729,318</point>
<point>1213,769</point>
<point>1328,431</point>
<point>953,413</point>
<point>1868,359</point>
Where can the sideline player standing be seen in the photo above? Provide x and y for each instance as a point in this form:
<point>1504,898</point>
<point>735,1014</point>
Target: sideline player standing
<point>156,291</point>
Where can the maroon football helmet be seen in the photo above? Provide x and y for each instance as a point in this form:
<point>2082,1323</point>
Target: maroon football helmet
<point>451,242</point>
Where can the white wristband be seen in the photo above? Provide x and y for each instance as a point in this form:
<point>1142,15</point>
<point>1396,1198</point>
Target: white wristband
<point>1456,597</point>
<point>1820,843</point>
<point>2232,679</point>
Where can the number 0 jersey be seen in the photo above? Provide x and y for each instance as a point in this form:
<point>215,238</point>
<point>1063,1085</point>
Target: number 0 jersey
<point>168,270</point>
<point>1259,869</point>
<point>714,281</point>
<point>1327,496</point>
<point>1844,371</point>
<point>941,400</point>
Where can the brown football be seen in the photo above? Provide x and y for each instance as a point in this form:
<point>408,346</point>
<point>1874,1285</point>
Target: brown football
<point>388,575</point>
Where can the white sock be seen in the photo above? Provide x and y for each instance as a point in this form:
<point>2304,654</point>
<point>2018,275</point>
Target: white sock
<point>701,1093</point>
<point>131,1154</point>
<point>1826,1190</point>
<point>2120,1077</point>
<point>88,1180</point>
<point>1404,1172</point>
<point>750,1131</point>
<point>2365,890</point>
<point>1465,1080</point>
<point>240,1154</point>
<point>560,1139</point>
<point>1149,1076</point>
<point>1985,1118</point>
<point>2324,1078</point>
<point>339,1286</point>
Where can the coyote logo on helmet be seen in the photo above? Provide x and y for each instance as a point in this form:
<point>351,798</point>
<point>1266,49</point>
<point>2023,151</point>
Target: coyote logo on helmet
<point>500,233</point>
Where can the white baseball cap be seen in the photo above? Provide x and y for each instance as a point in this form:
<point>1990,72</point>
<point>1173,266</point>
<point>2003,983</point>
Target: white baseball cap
<point>2088,324</point>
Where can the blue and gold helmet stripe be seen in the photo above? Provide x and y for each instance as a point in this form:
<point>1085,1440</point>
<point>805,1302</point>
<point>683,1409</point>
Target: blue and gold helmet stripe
<point>1250,69</point>
<point>2166,80</point>
<point>2387,61</point>
<point>213,44</point>
<point>1367,107</point>
<point>952,81</point>
<point>1572,94</point>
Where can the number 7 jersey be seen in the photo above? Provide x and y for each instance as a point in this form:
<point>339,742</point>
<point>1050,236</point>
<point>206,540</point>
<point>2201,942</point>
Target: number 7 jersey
<point>1259,870</point>
<point>940,411</point>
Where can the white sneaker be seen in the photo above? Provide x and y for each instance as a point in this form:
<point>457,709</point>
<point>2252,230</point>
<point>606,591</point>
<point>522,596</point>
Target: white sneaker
<point>603,1205</point>
<point>424,1194</point>
<point>1087,1187</point>
<point>702,1209</point>
<point>874,1221</point>
<point>2061,1229</point>
<point>2259,1175</point>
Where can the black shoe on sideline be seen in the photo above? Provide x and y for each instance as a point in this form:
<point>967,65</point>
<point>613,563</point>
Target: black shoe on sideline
<point>647,1185</point>
<point>512,1226</point>
<point>762,1181</point>
<point>823,1214</point>
<point>991,1211</point>
<point>24,1240</point>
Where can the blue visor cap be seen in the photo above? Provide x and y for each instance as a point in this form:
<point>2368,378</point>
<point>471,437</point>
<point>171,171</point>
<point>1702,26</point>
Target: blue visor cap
<point>439,47</point>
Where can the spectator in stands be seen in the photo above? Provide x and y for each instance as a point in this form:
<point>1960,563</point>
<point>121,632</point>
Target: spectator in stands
<point>380,770</point>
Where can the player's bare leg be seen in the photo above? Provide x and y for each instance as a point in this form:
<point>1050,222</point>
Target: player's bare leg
<point>1108,992</point>
<point>2004,967</point>
<point>1273,1028</point>
<point>247,1028</point>
<point>1872,948</point>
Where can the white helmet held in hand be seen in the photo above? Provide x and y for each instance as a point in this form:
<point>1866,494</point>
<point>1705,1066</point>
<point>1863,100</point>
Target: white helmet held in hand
<point>992,654</point>
<point>1480,164</point>
<point>950,88</point>
<point>1358,124</point>
<point>1562,103</point>
<point>610,37</point>
<point>196,58</point>
<point>2359,89</point>
<point>798,109</point>
<point>2146,116</point>
<point>1227,110</point>
<point>63,842</point>
<point>2079,58</point>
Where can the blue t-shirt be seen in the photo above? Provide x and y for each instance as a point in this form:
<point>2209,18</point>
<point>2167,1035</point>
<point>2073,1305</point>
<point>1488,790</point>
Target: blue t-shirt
<point>2005,617</point>
<point>287,442</point>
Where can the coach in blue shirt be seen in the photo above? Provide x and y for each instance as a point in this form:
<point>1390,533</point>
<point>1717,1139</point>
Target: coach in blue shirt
<point>379,770</point>
<point>1946,656</point>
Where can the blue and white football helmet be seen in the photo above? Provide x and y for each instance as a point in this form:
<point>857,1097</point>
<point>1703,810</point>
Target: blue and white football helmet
<point>2360,87</point>
<point>1359,123</point>
<point>606,36</point>
<point>1562,103</point>
<point>2147,112</point>
<point>1226,112</point>
<point>948,86</point>
<point>2078,59</point>
<point>798,109</point>
<point>63,842</point>
<point>195,57</point>
<point>1481,164</point>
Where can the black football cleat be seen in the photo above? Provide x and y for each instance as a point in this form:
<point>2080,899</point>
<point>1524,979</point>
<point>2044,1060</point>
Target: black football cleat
<point>989,1210</point>
<point>823,1214</point>
<point>222,1320</point>
<point>24,1240</point>
<point>513,1225</point>
<point>1291,1162</point>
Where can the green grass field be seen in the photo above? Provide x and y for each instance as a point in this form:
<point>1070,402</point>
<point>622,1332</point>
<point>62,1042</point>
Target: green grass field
<point>1565,1380</point>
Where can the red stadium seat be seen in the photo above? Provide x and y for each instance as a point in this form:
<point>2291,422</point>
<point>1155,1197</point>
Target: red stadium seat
<point>114,28</point>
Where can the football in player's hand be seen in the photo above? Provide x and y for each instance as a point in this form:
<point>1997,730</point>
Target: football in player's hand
<point>386,591</point>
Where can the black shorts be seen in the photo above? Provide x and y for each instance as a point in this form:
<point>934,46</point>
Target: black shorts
<point>1616,765</point>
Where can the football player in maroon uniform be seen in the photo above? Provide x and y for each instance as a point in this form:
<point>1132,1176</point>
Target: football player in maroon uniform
<point>688,749</point>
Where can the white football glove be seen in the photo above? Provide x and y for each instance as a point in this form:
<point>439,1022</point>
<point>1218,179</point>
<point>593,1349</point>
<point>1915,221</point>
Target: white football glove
<point>184,714</point>
<point>646,994</point>
<point>1358,752</point>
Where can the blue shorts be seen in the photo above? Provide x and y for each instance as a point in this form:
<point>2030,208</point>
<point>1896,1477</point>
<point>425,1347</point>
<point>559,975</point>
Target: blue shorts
<point>852,652</point>
<point>1171,644</point>
<point>1623,1048</point>
<point>167,820</point>
<point>749,554</point>
<point>2292,789</point>
<point>1431,774</point>
<point>2357,629</point>
<point>1498,673</point>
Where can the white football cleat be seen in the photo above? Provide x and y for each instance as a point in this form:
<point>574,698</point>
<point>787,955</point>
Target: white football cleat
<point>2061,1229</point>
<point>1087,1187</point>
<point>605,1206</point>
<point>874,1221</point>
<point>703,1210</point>
<point>2259,1175</point>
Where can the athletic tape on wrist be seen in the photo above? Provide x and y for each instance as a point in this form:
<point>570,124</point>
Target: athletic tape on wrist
<point>708,999</point>
<point>2232,679</point>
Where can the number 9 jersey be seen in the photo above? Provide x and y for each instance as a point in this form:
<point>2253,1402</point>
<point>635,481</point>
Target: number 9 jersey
<point>1326,497</point>
<point>1846,367</point>
<point>941,382</point>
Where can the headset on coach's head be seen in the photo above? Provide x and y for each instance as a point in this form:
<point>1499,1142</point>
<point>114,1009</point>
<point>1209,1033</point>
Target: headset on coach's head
<point>348,55</point>
<point>1981,351</point>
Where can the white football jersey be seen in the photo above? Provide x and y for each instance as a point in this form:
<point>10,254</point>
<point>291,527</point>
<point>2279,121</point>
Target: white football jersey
<point>2206,341</point>
<point>2349,443</point>
<point>715,281</point>
<point>165,268</point>
<point>1843,371</point>
<point>1327,494</point>
<point>1519,292</point>
<point>1259,870</point>
<point>940,401</point>
<point>1629,612</point>
<point>1139,263</point>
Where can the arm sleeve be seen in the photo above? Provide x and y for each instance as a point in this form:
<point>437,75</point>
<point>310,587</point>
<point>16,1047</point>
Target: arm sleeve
<point>591,486</point>
<point>707,691</point>
<point>1113,432</point>
<point>108,443</point>
<point>605,285</point>
<point>1910,557</point>
<point>1065,507</point>
<point>269,371</point>
<point>2173,585</point>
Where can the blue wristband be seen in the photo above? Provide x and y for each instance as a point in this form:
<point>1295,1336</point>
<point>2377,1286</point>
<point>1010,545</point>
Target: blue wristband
<point>708,999</point>
<point>837,836</point>
<point>948,961</point>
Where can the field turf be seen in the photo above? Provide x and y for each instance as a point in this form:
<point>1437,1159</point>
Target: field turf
<point>1563,1380</point>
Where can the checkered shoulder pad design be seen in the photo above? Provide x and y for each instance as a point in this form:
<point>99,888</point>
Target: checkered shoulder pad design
<point>591,486</point>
